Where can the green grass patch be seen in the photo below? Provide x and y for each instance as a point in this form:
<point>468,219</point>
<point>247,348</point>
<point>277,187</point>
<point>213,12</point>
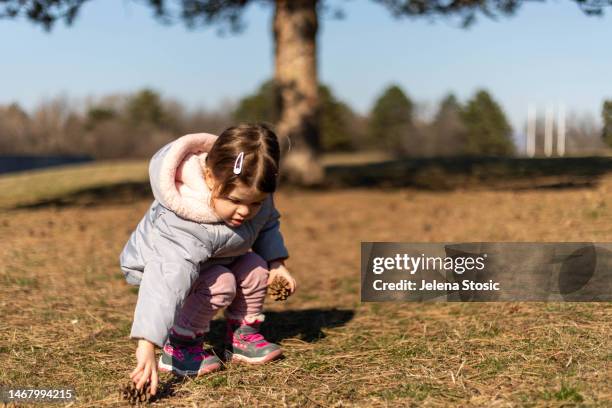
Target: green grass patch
<point>21,281</point>
<point>566,393</point>
<point>34,186</point>
<point>217,381</point>
<point>313,365</point>
<point>490,331</point>
<point>410,351</point>
<point>493,365</point>
<point>417,391</point>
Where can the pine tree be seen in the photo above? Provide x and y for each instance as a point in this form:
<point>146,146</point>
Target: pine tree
<point>336,121</point>
<point>487,129</point>
<point>391,120</point>
<point>448,129</point>
<point>146,107</point>
<point>260,106</point>
<point>606,116</point>
<point>336,116</point>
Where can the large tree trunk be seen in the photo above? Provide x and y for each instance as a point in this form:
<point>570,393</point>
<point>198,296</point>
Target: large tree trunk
<point>295,32</point>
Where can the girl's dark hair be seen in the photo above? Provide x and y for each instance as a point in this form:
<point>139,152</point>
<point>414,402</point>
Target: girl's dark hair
<point>260,163</point>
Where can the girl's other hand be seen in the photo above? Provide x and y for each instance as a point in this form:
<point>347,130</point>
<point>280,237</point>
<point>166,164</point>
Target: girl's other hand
<point>147,366</point>
<point>277,269</point>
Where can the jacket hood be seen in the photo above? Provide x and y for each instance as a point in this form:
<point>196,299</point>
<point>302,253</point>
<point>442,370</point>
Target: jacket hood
<point>176,173</point>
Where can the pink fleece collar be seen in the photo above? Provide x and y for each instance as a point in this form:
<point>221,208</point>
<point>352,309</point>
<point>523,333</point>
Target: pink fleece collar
<point>181,178</point>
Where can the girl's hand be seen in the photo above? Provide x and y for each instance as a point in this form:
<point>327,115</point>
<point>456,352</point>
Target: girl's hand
<point>278,269</point>
<point>147,366</point>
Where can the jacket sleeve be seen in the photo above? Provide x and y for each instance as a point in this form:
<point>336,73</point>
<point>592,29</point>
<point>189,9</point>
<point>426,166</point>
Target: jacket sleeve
<point>269,243</point>
<point>166,282</point>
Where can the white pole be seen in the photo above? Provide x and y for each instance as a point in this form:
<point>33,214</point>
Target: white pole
<point>561,131</point>
<point>548,131</point>
<point>531,130</point>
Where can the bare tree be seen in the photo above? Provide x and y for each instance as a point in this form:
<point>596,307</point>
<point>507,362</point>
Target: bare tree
<point>584,136</point>
<point>14,128</point>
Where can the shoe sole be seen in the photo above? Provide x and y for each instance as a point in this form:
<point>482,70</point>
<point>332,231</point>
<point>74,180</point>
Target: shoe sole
<point>186,373</point>
<point>257,360</point>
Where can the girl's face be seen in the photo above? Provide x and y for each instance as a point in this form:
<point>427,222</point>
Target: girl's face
<point>240,205</point>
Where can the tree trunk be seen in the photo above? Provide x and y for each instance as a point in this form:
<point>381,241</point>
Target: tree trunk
<point>295,32</point>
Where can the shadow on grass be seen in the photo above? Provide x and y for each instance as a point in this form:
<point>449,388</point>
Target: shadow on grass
<point>167,387</point>
<point>440,173</point>
<point>123,193</point>
<point>447,173</point>
<point>306,325</point>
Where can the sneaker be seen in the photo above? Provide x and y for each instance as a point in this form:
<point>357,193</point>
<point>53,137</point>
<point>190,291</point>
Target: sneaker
<point>247,344</point>
<point>186,356</point>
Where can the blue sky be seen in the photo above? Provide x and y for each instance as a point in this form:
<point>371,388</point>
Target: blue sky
<point>547,53</point>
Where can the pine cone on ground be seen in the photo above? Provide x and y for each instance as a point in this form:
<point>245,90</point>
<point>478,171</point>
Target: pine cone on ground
<point>130,393</point>
<point>279,289</point>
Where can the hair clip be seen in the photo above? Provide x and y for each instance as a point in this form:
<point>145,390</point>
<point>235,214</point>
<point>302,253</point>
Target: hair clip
<point>238,166</point>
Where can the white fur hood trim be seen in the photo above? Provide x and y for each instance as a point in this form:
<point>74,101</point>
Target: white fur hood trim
<point>177,177</point>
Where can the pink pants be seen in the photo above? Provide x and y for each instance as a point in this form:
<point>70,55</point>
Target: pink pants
<point>241,286</point>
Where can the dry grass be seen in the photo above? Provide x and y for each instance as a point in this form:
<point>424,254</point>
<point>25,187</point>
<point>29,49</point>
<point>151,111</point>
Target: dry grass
<point>359,157</point>
<point>66,311</point>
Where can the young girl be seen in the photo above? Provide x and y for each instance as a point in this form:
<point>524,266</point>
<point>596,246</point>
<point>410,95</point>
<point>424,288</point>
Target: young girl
<point>210,240</point>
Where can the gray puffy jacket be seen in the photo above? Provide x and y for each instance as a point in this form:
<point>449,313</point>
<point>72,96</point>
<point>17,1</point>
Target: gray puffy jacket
<point>180,235</point>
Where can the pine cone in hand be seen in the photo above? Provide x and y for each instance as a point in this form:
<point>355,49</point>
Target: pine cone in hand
<point>130,393</point>
<point>279,289</point>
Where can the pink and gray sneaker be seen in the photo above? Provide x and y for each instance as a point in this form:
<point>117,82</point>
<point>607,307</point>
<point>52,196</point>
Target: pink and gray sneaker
<point>246,343</point>
<point>185,356</point>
